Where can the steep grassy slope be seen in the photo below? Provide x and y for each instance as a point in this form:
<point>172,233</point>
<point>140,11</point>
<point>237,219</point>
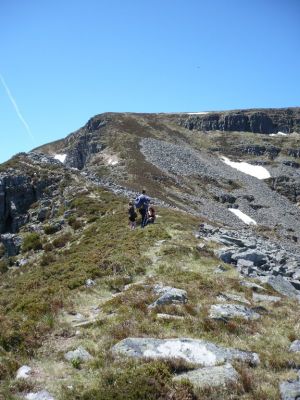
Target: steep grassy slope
<point>39,302</point>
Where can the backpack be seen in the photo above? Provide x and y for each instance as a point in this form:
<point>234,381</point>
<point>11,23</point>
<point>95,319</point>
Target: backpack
<point>142,202</point>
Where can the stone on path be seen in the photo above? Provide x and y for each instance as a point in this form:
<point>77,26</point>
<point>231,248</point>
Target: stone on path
<point>79,354</point>
<point>295,346</point>
<point>210,376</point>
<point>290,390</point>
<point>41,395</point>
<point>260,298</point>
<point>24,372</point>
<point>220,311</point>
<point>195,351</point>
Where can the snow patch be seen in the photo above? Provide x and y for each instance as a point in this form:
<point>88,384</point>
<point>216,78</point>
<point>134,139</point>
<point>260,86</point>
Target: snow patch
<point>244,217</point>
<point>279,134</point>
<point>257,171</point>
<point>190,352</point>
<point>60,157</point>
<point>198,113</point>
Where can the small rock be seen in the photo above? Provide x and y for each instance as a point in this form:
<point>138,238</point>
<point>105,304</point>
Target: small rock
<point>210,376</point>
<point>41,395</point>
<point>252,285</point>
<point>258,298</point>
<point>224,311</point>
<point>220,269</point>
<point>79,354</point>
<point>233,297</point>
<point>290,390</point>
<point>169,316</point>
<point>24,372</point>
<point>89,283</point>
<point>169,295</point>
<point>295,346</point>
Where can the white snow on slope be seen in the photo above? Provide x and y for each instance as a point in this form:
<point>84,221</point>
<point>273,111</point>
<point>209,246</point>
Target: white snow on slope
<point>257,171</point>
<point>198,113</point>
<point>279,134</point>
<point>60,157</point>
<point>244,217</point>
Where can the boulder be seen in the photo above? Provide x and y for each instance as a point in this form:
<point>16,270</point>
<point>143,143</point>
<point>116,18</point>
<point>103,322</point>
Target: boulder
<point>295,346</point>
<point>229,311</point>
<point>233,297</point>
<point>23,372</point>
<point>195,351</point>
<point>79,354</point>
<point>261,298</point>
<point>281,286</point>
<point>290,390</point>
<point>41,395</point>
<point>169,295</point>
<point>257,257</point>
<point>12,244</point>
<point>210,376</point>
<point>253,286</point>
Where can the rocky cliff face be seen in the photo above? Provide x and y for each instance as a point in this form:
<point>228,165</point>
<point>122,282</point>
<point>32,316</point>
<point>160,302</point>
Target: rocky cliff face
<point>285,120</point>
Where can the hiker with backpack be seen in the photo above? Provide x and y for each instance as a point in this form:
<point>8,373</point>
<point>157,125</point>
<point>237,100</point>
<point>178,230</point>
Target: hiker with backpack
<point>132,215</point>
<point>142,203</point>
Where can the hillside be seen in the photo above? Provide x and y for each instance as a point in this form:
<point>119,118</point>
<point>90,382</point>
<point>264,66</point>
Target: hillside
<point>203,304</point>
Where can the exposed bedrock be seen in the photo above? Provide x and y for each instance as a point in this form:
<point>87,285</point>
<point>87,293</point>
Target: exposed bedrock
<point>258,121</point>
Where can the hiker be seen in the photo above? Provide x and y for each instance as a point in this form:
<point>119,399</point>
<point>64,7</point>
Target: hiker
<point>131,215</point>
<point>142,204</point>
<point>151,215</point>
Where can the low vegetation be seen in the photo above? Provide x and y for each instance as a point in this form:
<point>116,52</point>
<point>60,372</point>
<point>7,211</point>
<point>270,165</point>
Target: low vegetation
<point>38,301</point>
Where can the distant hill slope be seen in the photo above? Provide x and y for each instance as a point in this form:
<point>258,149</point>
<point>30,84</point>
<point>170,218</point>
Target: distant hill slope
<point>79,289</point>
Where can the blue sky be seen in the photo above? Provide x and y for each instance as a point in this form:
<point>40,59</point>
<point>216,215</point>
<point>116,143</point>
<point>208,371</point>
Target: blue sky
<point>63,61</point>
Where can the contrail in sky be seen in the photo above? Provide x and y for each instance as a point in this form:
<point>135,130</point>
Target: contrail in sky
<point>15,105</point>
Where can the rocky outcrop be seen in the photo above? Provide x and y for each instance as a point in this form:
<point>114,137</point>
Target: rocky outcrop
<point>195,351</point>
<point>254,255</point>
<point>258,121</point>
<point>83,144</point>
<point>288,186</point>
<point>230,311</point>
<point>212,377</point>
<point>12,244</point>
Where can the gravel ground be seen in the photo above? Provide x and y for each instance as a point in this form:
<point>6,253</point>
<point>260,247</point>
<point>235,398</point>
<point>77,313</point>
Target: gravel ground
<point>267,207</point>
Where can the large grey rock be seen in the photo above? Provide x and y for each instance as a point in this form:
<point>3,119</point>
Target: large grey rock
<point>169,295</point>
<point>295,346</point>
<point>260,298</point>
<point>12,244</point>
<point>290,390</point>
<point>79,354</point>
<point>281,286</point>
<point>41,395</point>
<point>210,376</point>
<point>224,311</point>
<point>195,351</point>
<point>257,257</point>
